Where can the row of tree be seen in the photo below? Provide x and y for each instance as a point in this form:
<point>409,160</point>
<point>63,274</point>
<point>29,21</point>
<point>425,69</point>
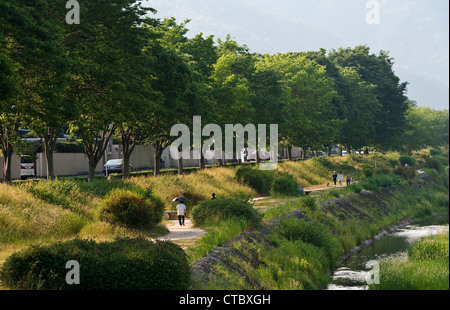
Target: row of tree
<point>122,72</point>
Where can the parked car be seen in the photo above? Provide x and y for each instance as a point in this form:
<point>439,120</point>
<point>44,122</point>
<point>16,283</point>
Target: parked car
<point>115,166</point>
<point>27,168</point>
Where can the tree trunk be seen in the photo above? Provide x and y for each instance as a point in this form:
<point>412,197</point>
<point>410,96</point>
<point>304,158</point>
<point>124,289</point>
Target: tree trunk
<point>157,158</point>
<point>201,161</point>
<point>180,166</point>
<point>50,166</point>
<point>92,167</point>
<point>330,148</point>
<point>289,153</point>
<point>126,164</point>
<point>7,158</point>
<point>50,140</point>
<point>180,162</point>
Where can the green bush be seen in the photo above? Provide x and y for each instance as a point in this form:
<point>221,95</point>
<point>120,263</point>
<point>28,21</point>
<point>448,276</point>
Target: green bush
<point>125,264</point>
<point>192,199</point>
<point>260,181</point>
<point>376,182</point>
<point>309,202</point>
<point>284,185</point>
<point>407,160</point>
<point>405,172</point>
<point>222,209</point>
<point>123,207</point>
<point>307,231</point>
<point>69,147</point>
<point>434,152</point>
<point>434,163</point>
<point>368,171</point>
<point>355,187</point>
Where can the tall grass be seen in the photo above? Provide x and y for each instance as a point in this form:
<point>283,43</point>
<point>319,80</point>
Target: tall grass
<point>24,218</point>
<point>425,268</point>
<point>217,236</point>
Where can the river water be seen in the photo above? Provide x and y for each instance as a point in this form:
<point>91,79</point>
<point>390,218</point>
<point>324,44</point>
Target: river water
<point>355,272</point>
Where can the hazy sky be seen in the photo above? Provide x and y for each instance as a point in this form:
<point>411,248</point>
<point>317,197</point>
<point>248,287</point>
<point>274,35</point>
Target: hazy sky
<point>415,32</point>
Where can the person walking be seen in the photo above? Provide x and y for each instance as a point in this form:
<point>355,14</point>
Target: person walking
<point>340,178</point>
<point>335,178</point>
<point>349,179</point>
<point>181,211</point>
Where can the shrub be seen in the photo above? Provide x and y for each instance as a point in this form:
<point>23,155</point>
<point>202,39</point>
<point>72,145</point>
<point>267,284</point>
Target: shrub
<point>368,171</point>
<point>356,188</point>
<point>192,199</point>
<point>260,181</point>
<point>434,152</point>
<point>222,209</point>
<point>306,231</point>
<point>284,185</point>
<point>410,161</point>
<point>433,163</point>
<point>69,147</point>
<point>124,207</point>
<point>125,264</point>
<point>405,172</point>
<point>376,182</point>
<point>309,202</point>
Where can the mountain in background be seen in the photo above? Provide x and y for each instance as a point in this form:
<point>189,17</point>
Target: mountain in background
<point>415,32</point>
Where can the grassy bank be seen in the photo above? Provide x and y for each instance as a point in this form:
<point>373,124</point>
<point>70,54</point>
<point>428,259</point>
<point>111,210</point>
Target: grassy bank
<point>300,251</point>
<point>426,267</point>
<point>39,212</point>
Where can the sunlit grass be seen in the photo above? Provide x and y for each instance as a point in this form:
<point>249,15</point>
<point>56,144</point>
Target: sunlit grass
<point>425,268</point>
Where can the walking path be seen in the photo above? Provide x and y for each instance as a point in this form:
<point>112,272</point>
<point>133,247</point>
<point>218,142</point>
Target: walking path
<point>178,232</point>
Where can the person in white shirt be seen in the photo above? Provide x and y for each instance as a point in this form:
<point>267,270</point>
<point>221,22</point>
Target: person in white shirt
<point>340,178</point>
<point>181,210</point>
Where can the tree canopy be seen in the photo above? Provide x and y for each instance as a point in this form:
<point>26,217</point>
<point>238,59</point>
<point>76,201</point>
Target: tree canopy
<point>121,72</point>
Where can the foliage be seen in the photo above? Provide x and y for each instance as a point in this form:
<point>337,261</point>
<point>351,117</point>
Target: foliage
<point>368,171</point>
<point>284,185</point>
<point>215,211</point>
<point>260,181</point>
<point>124,207</point>
<point>407,160</point>
<point>426,267</point>
<point>306,231</point>
<point>125,264</point>
<point>406,172</point>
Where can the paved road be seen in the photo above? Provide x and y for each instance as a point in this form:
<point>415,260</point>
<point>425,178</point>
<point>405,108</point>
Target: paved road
<point>178,232</point>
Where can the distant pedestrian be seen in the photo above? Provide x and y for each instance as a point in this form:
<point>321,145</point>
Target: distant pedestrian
<point>181,211</point>
<point>349,179</point>
<point>340,178</point>
<point>213,196</point>
<point>335,178</point>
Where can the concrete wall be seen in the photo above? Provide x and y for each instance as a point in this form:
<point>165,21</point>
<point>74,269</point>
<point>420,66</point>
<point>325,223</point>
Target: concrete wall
<point>73,164</point>
<point>15,167</point>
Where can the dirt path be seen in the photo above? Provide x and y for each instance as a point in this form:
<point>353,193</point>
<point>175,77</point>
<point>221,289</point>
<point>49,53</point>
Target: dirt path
<point>187,232</point>
<point>178,232</point>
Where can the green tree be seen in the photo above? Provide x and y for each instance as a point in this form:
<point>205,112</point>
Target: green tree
<point>310,116</point>
<point>31,39</point>
<point>378,70</point>
<point>103,83</point>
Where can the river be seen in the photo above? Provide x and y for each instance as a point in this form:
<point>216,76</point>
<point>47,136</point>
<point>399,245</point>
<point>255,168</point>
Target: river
<point>353,272</point>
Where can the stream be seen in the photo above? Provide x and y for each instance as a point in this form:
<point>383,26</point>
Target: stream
<point>352,274</point>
